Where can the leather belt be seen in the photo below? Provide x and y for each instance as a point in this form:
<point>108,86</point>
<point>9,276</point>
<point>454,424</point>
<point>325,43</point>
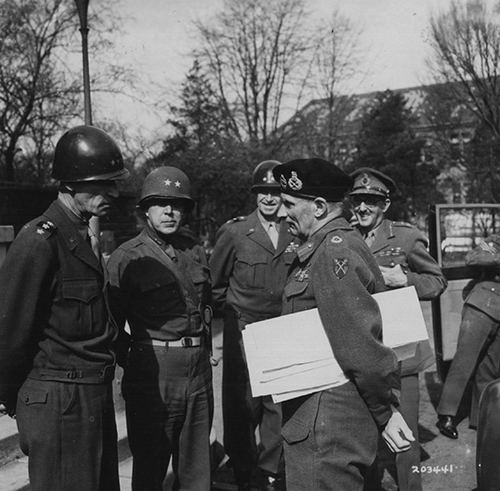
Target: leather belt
<point>185,342</point>
<point>75,375</point>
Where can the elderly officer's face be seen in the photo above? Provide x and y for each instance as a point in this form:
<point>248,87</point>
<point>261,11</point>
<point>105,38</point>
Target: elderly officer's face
<point>94,197</point>
<point>269,202</point>
<point>369,209</point>
<point>299,215</point>
<point>165,215</point>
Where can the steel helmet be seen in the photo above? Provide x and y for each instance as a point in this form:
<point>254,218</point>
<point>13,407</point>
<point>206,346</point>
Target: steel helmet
<point>262,177</point>
<point>166,182</point>
<point>86,153</point>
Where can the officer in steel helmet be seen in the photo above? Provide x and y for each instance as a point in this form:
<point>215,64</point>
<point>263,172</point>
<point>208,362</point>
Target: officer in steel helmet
<point>56,358</point>
<point>160,283</point>
<point>249,264</point>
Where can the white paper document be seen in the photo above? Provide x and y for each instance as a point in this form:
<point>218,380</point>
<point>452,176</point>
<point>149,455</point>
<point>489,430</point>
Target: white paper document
<point>290,355</point>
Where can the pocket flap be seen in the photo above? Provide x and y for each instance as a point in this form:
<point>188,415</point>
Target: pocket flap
<point>149,284</point>
<point>83,290</point>
<point>295,288</point>
<point>33,396</point>
<point>294,431</point>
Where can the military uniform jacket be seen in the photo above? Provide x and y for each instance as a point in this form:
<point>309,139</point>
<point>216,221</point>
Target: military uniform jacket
<point>485,294</point>
<point>160,297</point>
<point>335,272</point>
<point>248,272</point>
<point>53,312</point>
<point>402,243</point>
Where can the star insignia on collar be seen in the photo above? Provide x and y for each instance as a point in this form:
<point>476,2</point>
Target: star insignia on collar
<point>167,182</point>
<point>177,184</point>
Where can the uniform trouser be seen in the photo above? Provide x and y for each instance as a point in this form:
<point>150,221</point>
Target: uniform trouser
<point>242,413</point>
<point>69,433</point>
<point>407,463</point>
<point>330,440</point>
<point>169,406</point>
<point>478,356</point>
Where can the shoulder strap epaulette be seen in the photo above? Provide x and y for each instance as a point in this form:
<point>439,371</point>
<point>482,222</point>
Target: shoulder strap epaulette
<point>236,219</point>
<point>45,228</point>
<point>402,224</point>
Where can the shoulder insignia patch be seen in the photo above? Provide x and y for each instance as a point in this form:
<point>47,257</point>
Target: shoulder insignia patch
<point>341,265</point>
<point>402,224</point>
<point>45,227</point>
<point>237,219</point>
<point>336,239</point>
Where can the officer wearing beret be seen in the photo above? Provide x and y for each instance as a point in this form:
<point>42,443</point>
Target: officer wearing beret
<point>160,283</point>
<point>249,265</point>
<point>401,253</point>
<point>331,436</point>
<point>56,337</point>
<point>478,350</point>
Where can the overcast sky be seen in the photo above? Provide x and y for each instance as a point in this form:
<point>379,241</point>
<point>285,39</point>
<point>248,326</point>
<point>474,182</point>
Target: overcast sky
<point>158,36</point>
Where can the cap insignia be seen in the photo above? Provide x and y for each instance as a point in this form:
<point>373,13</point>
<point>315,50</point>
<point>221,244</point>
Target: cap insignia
<point>167,182</point>
<point>177,184</point>
<point>269,177</point>
<point>294,182</point>
<point>365,179</point>
<point>283,182</point>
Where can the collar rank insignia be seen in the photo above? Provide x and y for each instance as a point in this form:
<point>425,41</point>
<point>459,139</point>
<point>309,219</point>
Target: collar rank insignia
<point>340,268</point>
<point>302,274</point>
<point>292,247</point>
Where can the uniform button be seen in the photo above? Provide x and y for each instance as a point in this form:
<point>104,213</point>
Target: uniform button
<point>309,245</point>
<point>91,419</point>
<point>492,289</point>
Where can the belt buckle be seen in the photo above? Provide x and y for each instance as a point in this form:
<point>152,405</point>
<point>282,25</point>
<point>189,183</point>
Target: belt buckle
<point>187,342</point>
<point>71,374</point>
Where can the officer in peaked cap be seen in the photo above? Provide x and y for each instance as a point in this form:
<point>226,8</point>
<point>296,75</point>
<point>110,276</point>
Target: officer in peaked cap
<point>335,272</point>
<point>400,250</point>
<point>249,264</point>
<point>56,338</point>
<point>159,282</point>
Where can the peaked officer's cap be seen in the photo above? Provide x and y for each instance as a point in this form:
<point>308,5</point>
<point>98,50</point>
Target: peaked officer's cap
<point>372,181</point>
<point>313,178</point>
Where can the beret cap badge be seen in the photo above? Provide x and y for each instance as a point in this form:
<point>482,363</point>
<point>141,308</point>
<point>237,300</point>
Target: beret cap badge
<point>294,182</point>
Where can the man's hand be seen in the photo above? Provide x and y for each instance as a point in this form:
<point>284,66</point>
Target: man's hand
<point>397,434</point>
<point>394,277</point>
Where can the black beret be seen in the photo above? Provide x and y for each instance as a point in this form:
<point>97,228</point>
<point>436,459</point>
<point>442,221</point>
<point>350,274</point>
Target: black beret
<point>372,181</point>
<point>313,178</point>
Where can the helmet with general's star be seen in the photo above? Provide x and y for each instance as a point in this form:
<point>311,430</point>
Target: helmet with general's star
<point>87,153</point>
<point>262,177</point>
<point>166,182</point>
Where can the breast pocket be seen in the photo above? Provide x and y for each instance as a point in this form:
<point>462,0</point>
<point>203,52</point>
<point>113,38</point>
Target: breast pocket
<point>159,295</point>
<point>251,269</point>
<point>201,279</point>
<point>81,298</point>
<point>391,257</point>
<point>295,289</point>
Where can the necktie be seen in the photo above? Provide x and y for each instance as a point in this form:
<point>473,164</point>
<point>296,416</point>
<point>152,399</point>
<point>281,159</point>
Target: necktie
<point>93,240</point>
<point>370,238</point>
<point>272,231</point>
